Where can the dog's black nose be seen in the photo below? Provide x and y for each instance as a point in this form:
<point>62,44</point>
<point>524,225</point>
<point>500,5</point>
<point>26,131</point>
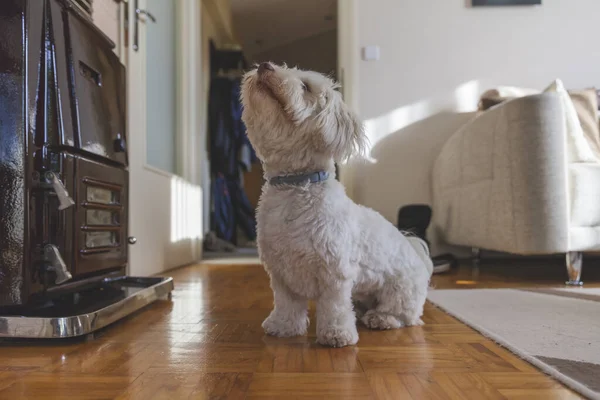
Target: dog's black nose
<point>266,66</point>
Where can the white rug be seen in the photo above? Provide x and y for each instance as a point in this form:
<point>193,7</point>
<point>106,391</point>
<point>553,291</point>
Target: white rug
<point>557,330</point>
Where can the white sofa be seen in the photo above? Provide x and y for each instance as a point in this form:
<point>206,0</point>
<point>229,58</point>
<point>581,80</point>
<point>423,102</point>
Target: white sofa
<point>507,182</point>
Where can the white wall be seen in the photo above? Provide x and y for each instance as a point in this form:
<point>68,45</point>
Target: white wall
<point>317,53</point>
<point>106,17</point>
<point>437,56</point>
<point>219,13</point>
<point>209,31</point>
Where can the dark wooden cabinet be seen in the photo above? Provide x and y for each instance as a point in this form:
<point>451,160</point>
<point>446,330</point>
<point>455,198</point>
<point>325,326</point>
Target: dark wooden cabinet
<point>63,151</point>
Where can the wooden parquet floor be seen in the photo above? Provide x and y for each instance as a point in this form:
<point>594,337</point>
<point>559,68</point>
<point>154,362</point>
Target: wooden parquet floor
<point>207,343</point>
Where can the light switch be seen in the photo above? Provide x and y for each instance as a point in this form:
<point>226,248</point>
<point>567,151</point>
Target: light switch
<point>370,53</point>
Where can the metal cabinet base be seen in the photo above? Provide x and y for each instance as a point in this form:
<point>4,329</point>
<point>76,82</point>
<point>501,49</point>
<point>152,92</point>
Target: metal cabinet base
<point>86,311</point>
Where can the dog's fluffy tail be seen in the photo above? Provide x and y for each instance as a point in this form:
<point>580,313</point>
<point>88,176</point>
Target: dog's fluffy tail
<point>422,250</point>
<point>429,265</point>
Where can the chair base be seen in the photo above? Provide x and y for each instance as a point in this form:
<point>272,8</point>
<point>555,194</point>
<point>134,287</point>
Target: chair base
<point>476,256</point>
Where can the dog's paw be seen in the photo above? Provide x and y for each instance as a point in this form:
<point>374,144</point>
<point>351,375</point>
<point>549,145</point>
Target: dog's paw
<point>337,337</point>
<point>279,327</point>
<point>415,322</point>
<point>374,320</point>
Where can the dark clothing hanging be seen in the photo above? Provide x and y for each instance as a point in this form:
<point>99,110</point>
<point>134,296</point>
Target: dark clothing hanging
<point>246,154</point>
<point>230,153</point>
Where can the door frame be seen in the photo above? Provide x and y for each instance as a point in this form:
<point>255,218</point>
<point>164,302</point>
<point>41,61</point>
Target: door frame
<point>348,74</point>
<point>189,82</point>
<point>156,251</point>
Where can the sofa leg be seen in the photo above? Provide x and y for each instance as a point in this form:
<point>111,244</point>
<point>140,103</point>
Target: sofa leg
<point>574,265</point>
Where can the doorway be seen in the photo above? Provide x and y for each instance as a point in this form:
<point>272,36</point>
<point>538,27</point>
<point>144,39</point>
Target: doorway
<point>297,33</point>
<point>301,34</point>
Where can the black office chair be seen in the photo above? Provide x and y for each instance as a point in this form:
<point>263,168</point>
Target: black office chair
<point>414,219</point>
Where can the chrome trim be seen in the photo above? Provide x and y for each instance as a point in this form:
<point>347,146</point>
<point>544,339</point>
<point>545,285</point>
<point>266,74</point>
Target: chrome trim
<point>79,325</point>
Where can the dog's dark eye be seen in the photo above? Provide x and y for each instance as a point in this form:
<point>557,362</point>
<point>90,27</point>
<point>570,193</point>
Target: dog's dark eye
<point>305,87</point>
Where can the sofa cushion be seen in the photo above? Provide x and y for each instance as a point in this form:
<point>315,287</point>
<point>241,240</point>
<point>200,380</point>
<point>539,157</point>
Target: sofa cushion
<point>579,149</point>
<point>586,102</point>
<point>586,106</point>
<point>584,238</point>
<point>493,97</point>
<point>585,194</point>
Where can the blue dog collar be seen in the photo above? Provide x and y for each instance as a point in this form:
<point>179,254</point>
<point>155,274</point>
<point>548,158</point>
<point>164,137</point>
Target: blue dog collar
<point>299,180</point>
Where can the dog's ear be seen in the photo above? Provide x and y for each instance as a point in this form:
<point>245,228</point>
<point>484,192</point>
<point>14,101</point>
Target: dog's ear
<point>342,130</point>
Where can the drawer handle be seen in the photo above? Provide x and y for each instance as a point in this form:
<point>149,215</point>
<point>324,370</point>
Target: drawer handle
<point>119,144</point>
<point>64,200</point>
<point>56,264</point>
<point>90,73</point>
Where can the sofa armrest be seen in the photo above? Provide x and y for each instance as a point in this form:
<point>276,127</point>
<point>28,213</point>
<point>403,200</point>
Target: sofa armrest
<point>500,182</point>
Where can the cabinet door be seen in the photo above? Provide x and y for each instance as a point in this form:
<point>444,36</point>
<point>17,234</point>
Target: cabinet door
<point>98,80</point>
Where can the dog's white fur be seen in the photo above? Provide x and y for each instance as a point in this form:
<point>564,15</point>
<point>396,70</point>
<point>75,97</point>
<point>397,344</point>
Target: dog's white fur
<point>315,242</point>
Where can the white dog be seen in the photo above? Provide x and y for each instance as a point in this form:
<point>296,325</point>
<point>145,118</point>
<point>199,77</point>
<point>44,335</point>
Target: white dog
<point>315,242</point>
